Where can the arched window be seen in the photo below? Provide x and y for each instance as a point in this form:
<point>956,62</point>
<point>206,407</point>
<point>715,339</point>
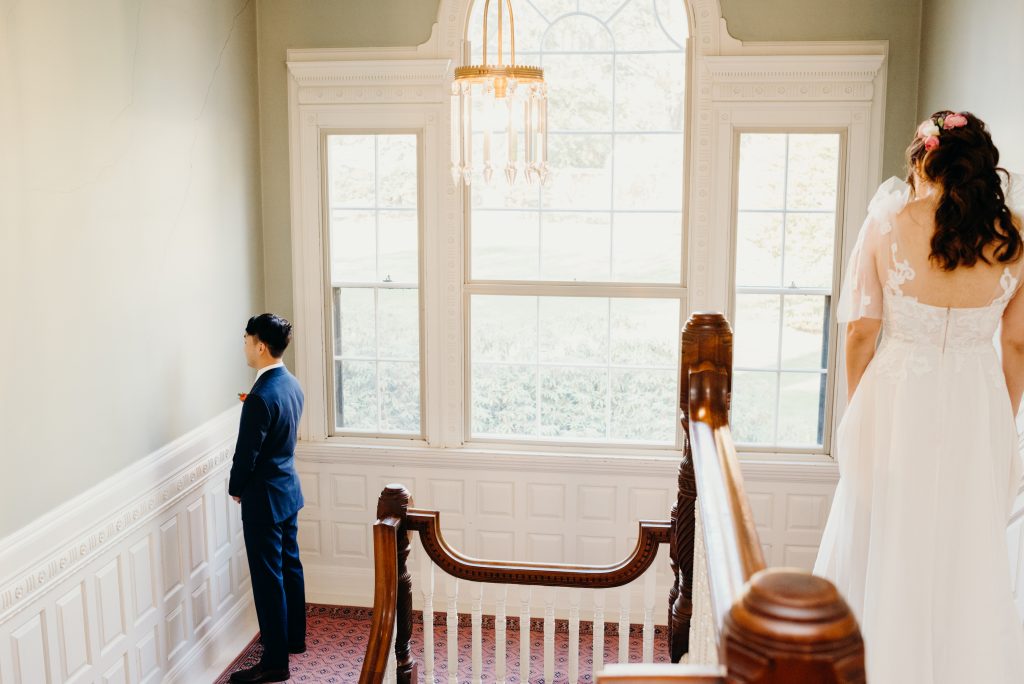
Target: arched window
<point>576,288</point>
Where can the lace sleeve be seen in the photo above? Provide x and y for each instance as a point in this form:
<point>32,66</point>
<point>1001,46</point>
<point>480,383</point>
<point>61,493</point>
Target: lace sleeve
<point>861,294</point>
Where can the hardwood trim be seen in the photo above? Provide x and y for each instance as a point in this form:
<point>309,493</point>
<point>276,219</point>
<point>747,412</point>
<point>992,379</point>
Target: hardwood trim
<point>385,598</point>
<point>645,673</point>
<point>428,524</point>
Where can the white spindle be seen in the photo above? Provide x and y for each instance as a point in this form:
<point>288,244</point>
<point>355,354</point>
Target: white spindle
<point>650,580</point>
<point>477,621</point>
<point>391,669</point>
<point>453,630</point>
<point>524,633</point>
<point>549,634</point>
<point>598,631</point>
<point>499,633</point>
<point>427,588</point>
<point>574,635</point>
<point>624,624</point>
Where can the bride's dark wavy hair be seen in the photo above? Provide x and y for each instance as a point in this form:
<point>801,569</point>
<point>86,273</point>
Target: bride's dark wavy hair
<point>972,211</point>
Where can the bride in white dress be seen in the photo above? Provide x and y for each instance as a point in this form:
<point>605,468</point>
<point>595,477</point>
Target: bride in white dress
<point>928,450</point>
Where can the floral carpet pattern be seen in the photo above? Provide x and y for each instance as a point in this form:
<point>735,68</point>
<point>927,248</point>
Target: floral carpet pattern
<point>336,642</point>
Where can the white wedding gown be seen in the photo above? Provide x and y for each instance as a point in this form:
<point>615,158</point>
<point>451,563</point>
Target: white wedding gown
<point>929,466</point>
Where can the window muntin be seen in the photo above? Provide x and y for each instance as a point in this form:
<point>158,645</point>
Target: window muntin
<point>786,227</point>
<point>373,235</point>
<point>609,219</point>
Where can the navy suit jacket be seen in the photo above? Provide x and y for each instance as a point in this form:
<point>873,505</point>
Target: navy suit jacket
<point>263,468</point>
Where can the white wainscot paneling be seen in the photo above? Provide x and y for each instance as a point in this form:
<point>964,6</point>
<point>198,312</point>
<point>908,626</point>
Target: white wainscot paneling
<point>73,633</point>
<point>141,579</point>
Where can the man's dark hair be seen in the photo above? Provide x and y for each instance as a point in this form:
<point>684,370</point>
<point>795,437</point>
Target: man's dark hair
<point>271,330</point>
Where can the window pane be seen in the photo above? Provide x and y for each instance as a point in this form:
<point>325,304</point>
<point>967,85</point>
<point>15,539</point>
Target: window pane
<point>504,329</point>
<point>355,332</point>
<point>753,407</point>
<point>647,247</point>
<point>557,354</point>
<point>506,245</point>
<point>575,246</point>
<point>504,400</point>
<point>573,402</point>
<point>637,26</point>
<point>756,341</point>
<point>648,174</point>
<point>650,92</point>
<point>581,172</point>
<point>374,247</point>
<point>801,409</point>
<point>643,405</point>
<point>803,332</point>
<point>574,330</point>
<point>788,185</point>
<point>758,248</point>
<point>356,395</point>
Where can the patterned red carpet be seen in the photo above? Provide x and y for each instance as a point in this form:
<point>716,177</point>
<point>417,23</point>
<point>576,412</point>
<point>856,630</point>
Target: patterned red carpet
<point>336,641</point>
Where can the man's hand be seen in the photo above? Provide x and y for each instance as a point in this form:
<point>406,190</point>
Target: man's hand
<point>237,499</point>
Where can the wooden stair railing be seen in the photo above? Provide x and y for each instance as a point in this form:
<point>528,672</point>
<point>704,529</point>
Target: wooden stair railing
<point>772,626</point>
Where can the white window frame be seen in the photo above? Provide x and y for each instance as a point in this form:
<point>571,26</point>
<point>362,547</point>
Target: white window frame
<point>732,86</point>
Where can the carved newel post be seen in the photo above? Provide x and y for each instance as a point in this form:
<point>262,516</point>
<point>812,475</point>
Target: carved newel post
<point>706,337</point>
<point>394,502</point>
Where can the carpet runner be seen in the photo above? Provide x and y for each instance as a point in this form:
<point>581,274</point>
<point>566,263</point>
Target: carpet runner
<point>336,643</point>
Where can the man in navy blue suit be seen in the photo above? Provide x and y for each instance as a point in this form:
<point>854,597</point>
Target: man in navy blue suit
<point>264,481</point>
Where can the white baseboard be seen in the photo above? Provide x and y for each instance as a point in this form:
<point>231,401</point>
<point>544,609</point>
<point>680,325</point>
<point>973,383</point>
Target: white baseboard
<point>142,578</point>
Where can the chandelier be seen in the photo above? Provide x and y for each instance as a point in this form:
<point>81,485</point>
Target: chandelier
<point>510,103</point>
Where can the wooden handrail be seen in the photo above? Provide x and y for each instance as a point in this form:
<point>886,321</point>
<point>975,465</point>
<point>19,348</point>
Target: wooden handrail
<point>428,524</point>
<point>773,625</point>
<point>385,600</point>
<point>637,673</point>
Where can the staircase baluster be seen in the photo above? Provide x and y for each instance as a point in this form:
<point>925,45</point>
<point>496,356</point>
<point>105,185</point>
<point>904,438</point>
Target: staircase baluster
<point>453,630</point>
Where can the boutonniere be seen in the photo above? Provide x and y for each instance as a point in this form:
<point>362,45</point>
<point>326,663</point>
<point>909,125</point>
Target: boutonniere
<point>242,396</point>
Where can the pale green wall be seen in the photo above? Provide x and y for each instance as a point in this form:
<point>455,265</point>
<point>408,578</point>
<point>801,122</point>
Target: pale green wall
<point>381,23</point>
<point>129,233</point>
<point>972,58</point>
<point>898,21</point>
<point>285,24</point>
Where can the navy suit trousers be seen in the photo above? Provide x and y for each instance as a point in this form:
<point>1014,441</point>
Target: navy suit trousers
<point>277,586</point>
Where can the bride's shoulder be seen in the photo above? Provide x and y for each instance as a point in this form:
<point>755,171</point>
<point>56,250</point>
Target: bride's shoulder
<point>889,200</point>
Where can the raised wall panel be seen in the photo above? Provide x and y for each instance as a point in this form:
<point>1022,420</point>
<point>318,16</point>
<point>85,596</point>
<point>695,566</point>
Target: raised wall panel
<point>595,550</point>
<point>310,483</point>
<point>648,504</point>
<point>496,544</point>
<point>762,506</point>
<point>545,501</point>
<point>496,498</point>
<point>147,653</point>
<point>31,656</point>
<point>546,548</point>
<point>73,632</point>
<point>596,503</point>
<point>170,555</point>
<point>219,506</point>
<point>118,673</point>
<point>348,492</point>
<point>110,606</point>
<point>806,512</point>
<point>351,539</point>
<point>309,536</point>
<point>447,496</point>
<point>456,539</point>
<point>222,580</point>
<point>142,578</point>
<point>197,534</point>
<point>201,606</point>
<point>175,626</point>
<point>796,556</point>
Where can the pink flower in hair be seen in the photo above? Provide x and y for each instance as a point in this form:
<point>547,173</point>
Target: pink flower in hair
<point>954,121</point>
<point>931,142</point>
<point>927,129</point>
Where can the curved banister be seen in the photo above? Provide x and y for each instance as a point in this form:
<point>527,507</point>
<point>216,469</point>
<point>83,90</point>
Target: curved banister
<point>428,524</point>
<point>385,599</point>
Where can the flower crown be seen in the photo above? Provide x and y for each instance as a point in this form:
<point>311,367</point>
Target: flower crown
<point>930,128</point>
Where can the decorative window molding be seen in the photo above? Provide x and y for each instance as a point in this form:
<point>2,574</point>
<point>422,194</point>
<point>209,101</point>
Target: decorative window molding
<point>732,86</point>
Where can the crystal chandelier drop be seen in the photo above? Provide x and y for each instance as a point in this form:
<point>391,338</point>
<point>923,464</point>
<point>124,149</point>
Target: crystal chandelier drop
<point>511,101</point>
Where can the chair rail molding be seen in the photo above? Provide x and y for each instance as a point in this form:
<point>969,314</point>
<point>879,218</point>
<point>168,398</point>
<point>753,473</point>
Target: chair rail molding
<point>142,578</point>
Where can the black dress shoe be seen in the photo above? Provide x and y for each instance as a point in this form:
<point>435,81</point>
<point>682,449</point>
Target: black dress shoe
<point>258,673</point>
<point>295,650</point>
